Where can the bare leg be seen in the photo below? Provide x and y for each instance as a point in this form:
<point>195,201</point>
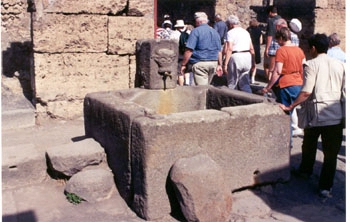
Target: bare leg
<point>180,80</point>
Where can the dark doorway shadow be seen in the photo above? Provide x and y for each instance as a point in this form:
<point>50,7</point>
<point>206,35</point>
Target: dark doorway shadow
<point>16,62</point>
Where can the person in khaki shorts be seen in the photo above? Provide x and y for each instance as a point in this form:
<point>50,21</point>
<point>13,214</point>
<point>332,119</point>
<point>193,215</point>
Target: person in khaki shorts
<point>203,51</point>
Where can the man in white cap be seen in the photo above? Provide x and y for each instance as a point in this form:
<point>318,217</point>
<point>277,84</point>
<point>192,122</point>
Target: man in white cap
<point>166,30</point>
<point>203,51</point>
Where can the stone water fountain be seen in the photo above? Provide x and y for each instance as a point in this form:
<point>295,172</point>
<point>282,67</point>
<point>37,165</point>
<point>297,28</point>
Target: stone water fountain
<point>144,130</point>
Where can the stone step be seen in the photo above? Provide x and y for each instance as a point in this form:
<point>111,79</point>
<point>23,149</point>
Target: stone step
<point>17,111</point>
<point>21,165</point>
<point>24,164</point>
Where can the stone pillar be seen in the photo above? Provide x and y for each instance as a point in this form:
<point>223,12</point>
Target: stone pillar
<point>156,64</point>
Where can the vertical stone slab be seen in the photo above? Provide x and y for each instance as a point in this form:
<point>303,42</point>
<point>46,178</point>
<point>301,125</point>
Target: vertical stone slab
<point>108,120</point>
<point>156,63</point>
<point>156,144</point>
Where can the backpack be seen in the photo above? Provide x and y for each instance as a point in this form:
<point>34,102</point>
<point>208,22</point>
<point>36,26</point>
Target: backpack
<point>182,42</point>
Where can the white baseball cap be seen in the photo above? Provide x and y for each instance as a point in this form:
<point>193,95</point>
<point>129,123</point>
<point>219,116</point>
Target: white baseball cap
<point>295,25</point>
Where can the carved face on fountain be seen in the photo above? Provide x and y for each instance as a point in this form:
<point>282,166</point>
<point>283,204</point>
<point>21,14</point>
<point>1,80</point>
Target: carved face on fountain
<point>165,58</point>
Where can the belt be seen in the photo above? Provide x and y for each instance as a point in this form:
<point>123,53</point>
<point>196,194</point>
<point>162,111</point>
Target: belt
<point>240,51</point>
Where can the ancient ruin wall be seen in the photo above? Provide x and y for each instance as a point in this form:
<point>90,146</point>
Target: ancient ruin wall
<point>83,46</point>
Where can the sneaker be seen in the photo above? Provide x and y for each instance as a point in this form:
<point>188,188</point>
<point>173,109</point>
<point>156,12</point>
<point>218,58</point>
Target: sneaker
<point>326,193</point>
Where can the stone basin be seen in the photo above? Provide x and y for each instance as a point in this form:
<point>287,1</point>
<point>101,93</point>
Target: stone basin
<point>145,131</point>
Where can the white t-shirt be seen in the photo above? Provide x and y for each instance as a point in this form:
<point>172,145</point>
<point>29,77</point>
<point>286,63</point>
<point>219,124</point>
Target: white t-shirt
<point>240,38</point>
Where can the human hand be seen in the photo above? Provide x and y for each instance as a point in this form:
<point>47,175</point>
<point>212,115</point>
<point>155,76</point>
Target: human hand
<point>182,70</point>
<point>219,70</point>
<point>264,90</point>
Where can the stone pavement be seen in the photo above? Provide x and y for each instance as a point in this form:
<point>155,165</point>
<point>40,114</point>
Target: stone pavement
<point>296,200</point>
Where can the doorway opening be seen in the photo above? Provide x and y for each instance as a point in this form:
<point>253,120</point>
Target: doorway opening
<point>183,9</point>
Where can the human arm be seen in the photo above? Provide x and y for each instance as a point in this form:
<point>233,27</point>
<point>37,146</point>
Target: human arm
<point>219,69</point>
<point>228,53</point>
<point>275,75</point>
<point>186,58</point>
<point>301,98</point>
<point>268,43</point>
<point>252,52</point>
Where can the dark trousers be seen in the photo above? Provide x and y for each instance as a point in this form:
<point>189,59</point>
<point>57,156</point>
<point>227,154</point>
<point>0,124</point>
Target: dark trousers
<point>331,142</point>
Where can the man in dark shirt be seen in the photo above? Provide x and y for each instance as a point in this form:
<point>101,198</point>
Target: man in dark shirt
<point>221,27</point>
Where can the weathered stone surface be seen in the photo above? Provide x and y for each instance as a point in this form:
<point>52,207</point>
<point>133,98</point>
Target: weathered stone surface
<point>141,8</point>
<point>240,138</point>
<point>22,164</point>
<point>244,207</point>
<point>123,32</point>
<point>17,111</point>
<point>156,63</point>
<point>71,158</point>
<point>92,185</point>
<point>73,75</point>
<point>81,6</point>
<point>201,189</point>
<point>15,23</point>
<point>98,107</point>
<point>73,33</point>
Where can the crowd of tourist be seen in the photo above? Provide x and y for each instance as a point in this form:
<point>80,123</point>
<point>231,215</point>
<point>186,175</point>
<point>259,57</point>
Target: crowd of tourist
<point>228,51</point>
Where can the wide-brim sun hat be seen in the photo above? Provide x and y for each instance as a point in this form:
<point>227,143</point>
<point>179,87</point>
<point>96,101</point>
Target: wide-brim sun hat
<point>179,24</point>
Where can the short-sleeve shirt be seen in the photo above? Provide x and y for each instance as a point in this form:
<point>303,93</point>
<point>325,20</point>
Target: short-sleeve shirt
<point>205,43</point>
<point>326,77</point>
<point>240,38</point>
<point>292,69</point>
<point>271,28</point>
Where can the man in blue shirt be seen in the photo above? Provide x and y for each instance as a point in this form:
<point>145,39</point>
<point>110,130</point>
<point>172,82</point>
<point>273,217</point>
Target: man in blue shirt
<point>221,27</point>
<point>203,51</point>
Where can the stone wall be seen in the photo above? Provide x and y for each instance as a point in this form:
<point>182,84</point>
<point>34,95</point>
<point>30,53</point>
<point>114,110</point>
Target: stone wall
<point>81,47</point>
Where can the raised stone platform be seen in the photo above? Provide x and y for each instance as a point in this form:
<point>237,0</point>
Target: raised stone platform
<point>145,131</point>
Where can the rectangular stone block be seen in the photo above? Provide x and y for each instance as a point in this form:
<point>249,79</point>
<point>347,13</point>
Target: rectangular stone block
<point>55,33</point>
<point>249,138</point>
<point>63,80</point>
<point>75,74</point>
<point>82,6</point>
<point>248,152</point>
<point>123,32</point>
<point>156,63</point>
<point>22,165</point>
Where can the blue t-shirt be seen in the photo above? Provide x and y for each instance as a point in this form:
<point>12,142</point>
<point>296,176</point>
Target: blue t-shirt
<point>205,43</point>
